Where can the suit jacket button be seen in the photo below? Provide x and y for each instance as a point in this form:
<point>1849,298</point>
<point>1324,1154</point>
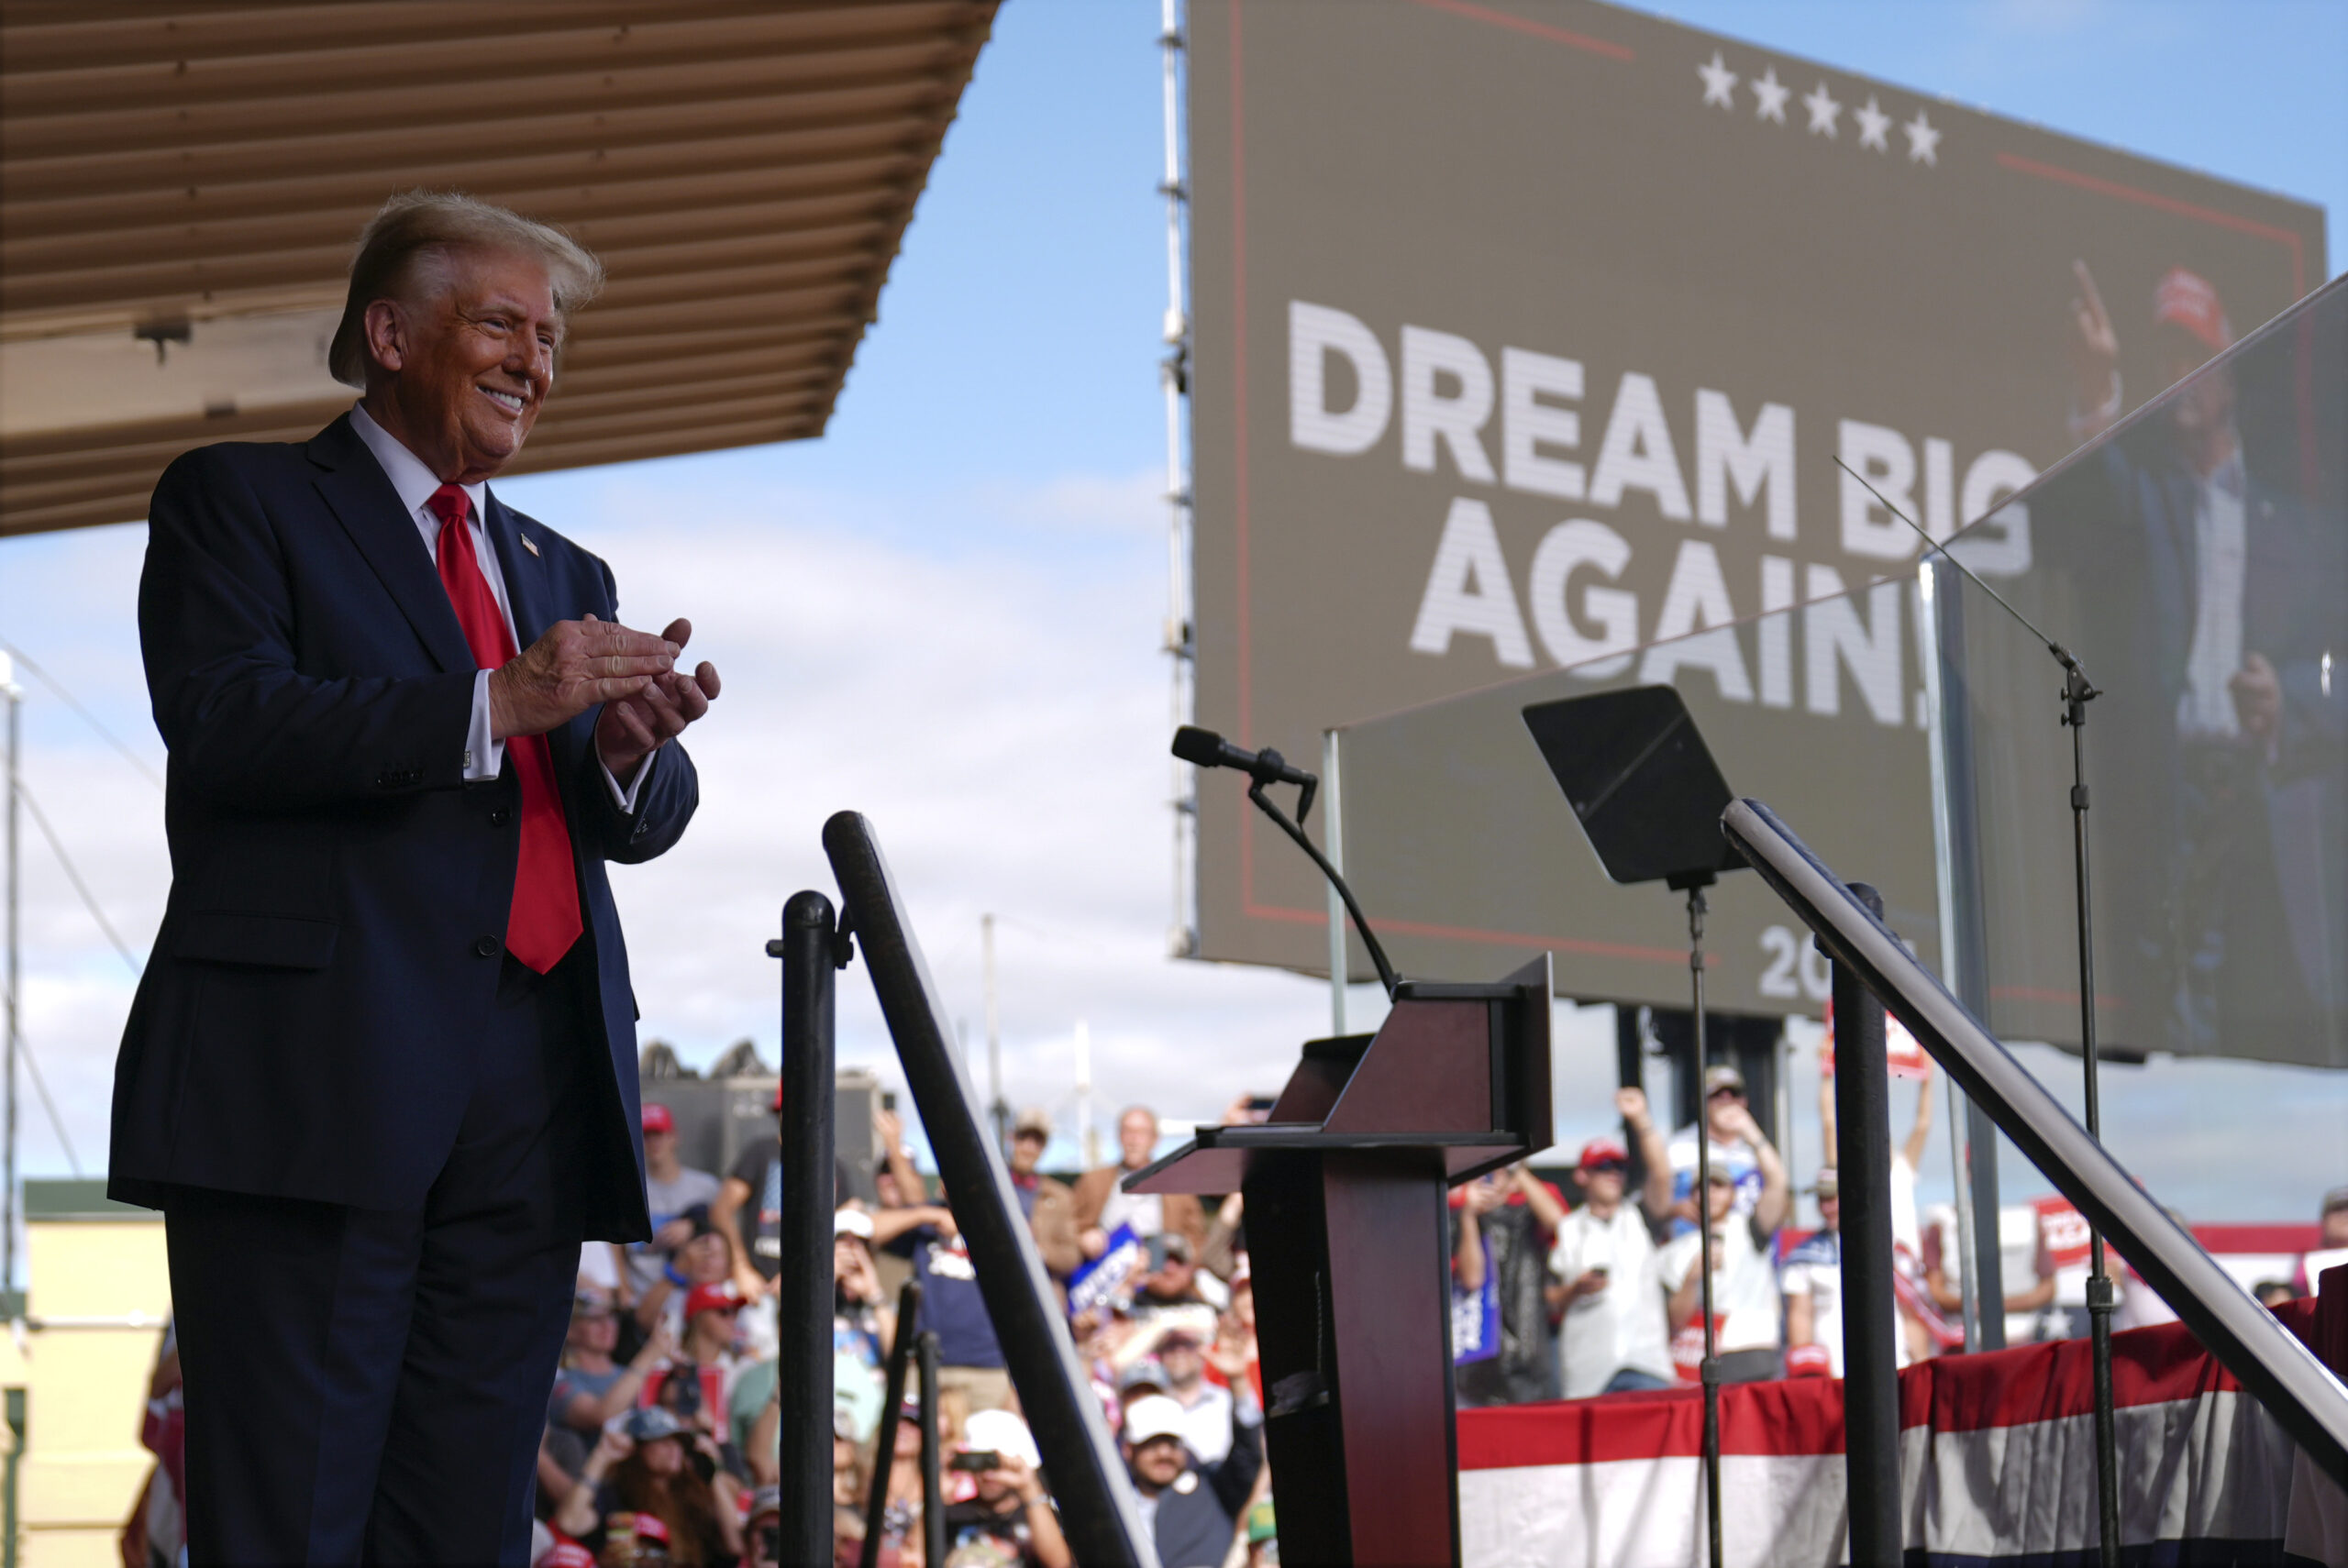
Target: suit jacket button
<point>486,946</point>
<point>500,817</point>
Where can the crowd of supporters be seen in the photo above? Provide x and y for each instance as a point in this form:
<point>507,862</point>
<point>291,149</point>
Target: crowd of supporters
<point>662,1427</point>
<point>662,1444</point>
<point>1162,1308</point>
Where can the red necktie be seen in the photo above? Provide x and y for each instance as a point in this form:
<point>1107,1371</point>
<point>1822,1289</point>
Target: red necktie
<point>544,920</point>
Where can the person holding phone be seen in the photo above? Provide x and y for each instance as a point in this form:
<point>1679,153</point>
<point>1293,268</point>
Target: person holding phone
<point>1604,1263</point>
<point>1010,1519</point>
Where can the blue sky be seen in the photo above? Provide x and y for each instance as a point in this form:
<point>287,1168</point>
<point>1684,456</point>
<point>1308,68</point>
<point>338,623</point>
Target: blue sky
<point>968,572</point>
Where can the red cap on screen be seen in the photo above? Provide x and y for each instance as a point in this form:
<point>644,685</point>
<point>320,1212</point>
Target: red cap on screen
<point>650,1527</point>
<point>719,1297</point>
<point>567,1554</point>
<point>658,1120</point>
<point>1599,1149</point>
<point>2188,300</point>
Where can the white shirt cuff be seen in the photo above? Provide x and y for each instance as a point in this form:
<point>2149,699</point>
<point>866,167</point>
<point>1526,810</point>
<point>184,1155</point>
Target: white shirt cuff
<point>625,798</point>
<point>484,754</point>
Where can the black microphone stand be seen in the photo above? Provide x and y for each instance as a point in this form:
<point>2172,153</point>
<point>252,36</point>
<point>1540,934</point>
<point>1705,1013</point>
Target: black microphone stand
<point>1270,765</point>
<point>2077,692</point>
<point>1694,883</point>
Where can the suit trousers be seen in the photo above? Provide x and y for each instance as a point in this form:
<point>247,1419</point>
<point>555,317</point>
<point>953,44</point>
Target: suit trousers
<point>370,1385</point>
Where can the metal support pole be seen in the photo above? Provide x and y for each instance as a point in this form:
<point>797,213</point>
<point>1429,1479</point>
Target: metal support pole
<point>1961,1168</point>
<point>933,1487</point>
<point>1936,749</point>
<point>1333,834</point>
<point>1711,1369</point>
<point>998,1109</point>
<point>1870,1359</point>
<point>876,1504</point>
<point>809,960</point>
<point>1174,379</point>
<point>2077,694</point>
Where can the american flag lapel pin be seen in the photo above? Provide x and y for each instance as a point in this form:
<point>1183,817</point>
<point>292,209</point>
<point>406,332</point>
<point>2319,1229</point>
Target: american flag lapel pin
<point>528,546</point>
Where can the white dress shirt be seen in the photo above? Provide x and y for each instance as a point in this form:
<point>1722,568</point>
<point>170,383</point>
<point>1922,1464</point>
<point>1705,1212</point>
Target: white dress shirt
<point>416,484</point>
<point>2205,709</point>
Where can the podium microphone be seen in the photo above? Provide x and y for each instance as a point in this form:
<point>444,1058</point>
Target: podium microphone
<point>1204,748</point>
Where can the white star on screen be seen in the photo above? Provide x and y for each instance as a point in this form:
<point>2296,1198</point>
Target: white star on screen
<point>1874,124</point>
<point>1923,140</point>
<point>1720,82</point>
<point>1823,111</point>
<point>1769,96</point>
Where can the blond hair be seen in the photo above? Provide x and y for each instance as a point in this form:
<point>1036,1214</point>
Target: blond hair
<point>417,227</point>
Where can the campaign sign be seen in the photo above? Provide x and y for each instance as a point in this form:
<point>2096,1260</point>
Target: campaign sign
<point>1092,1287</point>
<point>1475,1320</point>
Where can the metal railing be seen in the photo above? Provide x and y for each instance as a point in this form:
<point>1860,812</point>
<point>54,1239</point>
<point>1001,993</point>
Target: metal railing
<point>2283,1375</point>
<point>1099,1511</point>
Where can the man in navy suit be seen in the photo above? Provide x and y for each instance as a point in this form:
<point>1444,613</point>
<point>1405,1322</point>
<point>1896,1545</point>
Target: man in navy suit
<point>2215,606</point>
<point>381,1073</point>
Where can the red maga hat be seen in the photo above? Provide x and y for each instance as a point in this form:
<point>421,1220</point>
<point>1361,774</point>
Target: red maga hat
<point>658,1120</point>
<point>1599,1150</point>
<point>720,1297</point>
<point>2190,300</point>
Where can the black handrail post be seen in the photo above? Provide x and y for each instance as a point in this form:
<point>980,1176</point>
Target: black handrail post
<point>1870,1356</point>
<point>884,1460</point>
<point>808,1180</point>
<point>1097,1506</point>
<point>932,1482</point>
<point>1708,1370</point>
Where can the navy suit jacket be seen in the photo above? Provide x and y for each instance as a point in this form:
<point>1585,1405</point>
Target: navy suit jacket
<point>305,1023</point>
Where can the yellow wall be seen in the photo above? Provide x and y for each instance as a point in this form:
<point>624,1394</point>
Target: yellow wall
<point>86,1385</point>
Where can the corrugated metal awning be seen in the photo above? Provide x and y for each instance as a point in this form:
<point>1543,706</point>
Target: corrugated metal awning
<point>181,187</point>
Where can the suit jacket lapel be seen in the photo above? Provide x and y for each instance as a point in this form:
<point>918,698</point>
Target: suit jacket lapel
<point>363,501</point>
<point>524,574</point>
<point>530,596</point>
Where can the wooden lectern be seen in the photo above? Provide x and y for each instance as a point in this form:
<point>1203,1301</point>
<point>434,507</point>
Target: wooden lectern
<point>1346,1239</point>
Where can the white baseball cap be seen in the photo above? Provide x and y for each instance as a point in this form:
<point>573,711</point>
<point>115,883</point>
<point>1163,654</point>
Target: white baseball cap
<point>851,1223</point>
<point>1152,1416</point>
<point>1001,1432</point>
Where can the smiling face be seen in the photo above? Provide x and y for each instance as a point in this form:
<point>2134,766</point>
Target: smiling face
<point>1159,1462</point>
<point>662,1456</point>
<point>459,369</point>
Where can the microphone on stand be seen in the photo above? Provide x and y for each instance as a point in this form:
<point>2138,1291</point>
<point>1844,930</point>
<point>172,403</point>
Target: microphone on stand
<point>1204,748</point>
